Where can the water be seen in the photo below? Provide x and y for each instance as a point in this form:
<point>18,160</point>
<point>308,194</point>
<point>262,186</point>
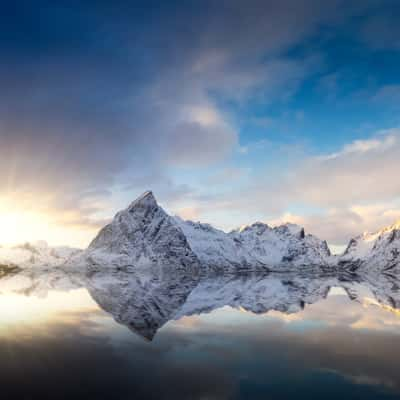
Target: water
<point>133,336</point>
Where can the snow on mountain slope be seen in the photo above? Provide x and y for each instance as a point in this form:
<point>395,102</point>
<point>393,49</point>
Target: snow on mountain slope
<point>286,244</point>
<point>145,235</point>
<point>215,248</point>
<point>35,254</point>
<point>256,245</point>
<point>375,252</point>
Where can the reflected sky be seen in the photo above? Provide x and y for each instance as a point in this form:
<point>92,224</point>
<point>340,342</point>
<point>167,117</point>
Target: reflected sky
<point>64,345</point>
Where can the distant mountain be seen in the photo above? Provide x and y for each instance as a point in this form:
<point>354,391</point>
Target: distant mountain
<point>35,254</point>
<point>145,235</point>
<point>375,252</point>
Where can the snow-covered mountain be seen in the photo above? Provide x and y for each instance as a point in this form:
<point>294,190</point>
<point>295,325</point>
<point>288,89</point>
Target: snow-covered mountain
<point>374,252</point>
<point>35,254</point>
<point>145,235</point>
<point>142,235</point>
<point>283,244</point>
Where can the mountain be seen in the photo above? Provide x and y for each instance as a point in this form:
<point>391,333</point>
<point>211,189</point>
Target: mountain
<point>35,254</point>
<point>145,235</point>
<point>283,244</point>
<point>374,252</point>
<point>142,235</point>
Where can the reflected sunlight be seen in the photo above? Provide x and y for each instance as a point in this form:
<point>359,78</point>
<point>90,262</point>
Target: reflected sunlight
<point>17,309</point>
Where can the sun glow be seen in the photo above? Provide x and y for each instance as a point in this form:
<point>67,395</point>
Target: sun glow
<point>18,225</point>
<point>56,306</point>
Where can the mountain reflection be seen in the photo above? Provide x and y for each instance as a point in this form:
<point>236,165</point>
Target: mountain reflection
<point>142,302</point>
<point>145,301</point>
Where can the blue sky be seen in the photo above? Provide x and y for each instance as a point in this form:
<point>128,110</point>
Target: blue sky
<point>230,111</point>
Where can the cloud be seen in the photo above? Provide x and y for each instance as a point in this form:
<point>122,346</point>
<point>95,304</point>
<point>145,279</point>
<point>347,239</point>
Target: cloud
<point>197,144</point>
<point>339,179</point>
<point>79,107</point>
<point>339,194</point>
<point>347,177</point>
<point>229,175</point>
<point>357,186</point>
<point>338,226</point>
<point>189,213</point>
<point>132,93</point>
<point>388,95</point>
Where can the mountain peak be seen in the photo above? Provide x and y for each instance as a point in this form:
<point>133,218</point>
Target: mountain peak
<point>292,229</point>
<point>147,200</point>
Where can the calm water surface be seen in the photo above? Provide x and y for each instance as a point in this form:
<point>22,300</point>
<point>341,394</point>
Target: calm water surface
<point>275,338</point>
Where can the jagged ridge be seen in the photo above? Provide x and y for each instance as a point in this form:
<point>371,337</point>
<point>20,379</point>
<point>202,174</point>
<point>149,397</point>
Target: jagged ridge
<point>144,234</point>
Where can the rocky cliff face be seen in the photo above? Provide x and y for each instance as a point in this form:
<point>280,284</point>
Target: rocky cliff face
<point>145,235</point>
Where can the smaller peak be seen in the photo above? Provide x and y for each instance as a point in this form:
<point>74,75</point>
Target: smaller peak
<point>146,199</point>
<point>293,229</point>
<point>255,226</point>
<point>291,225</point>
<point>259,224</point>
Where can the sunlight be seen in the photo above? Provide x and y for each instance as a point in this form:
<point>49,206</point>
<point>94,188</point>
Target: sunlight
<point>18,225</point>
<point>16,309</point>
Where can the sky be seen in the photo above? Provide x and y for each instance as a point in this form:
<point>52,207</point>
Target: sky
<point>231,112</point>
